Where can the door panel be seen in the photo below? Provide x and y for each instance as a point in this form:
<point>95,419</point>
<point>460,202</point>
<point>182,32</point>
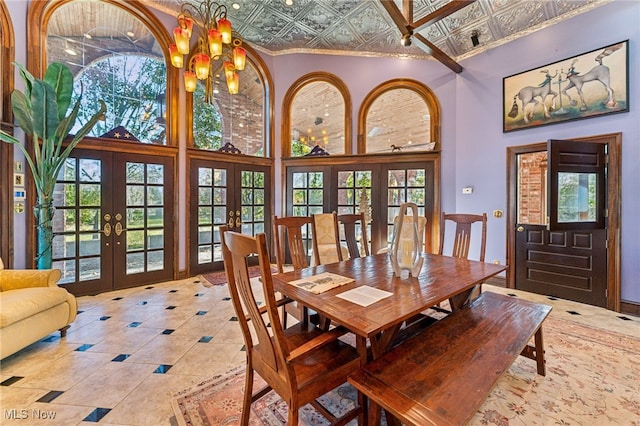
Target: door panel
<point>568,257</point>
<point>143,220</point>
<point>113,223</point>
<point>236,195</point>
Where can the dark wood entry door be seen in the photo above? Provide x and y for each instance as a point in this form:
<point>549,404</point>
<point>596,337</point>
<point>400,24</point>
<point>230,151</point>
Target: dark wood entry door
<point>567,256</point>
<point>221,193</point>
<point>113,223</point>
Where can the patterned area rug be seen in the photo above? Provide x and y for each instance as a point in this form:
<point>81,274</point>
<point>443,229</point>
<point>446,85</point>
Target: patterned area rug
<point>593,377</point>
<point>219,278</point>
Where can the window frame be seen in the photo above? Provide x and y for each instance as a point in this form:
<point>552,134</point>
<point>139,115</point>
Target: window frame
<point>315,77</point>
<point>430,99</point>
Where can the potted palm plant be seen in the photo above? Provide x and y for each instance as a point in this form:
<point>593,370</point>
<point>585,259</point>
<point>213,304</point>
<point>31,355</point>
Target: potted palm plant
<point>41,112</point>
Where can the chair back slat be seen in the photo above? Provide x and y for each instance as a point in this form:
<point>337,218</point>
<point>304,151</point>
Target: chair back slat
<point>350,223</point>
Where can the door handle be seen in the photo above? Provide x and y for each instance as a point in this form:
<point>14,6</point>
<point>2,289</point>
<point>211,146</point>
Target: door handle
<point>520,228</point>
<point>107,229</point>
<point>119,229</point>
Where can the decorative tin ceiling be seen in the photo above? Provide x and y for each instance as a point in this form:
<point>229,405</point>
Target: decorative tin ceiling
<point>363,27</point>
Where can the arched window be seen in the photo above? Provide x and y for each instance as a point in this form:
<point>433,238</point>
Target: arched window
<point>241,119</point>
<point>316,113</point>
<point>398,115</point>
<point>122,64</point>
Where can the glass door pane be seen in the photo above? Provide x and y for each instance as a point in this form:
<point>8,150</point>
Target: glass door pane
<point>80,248</point>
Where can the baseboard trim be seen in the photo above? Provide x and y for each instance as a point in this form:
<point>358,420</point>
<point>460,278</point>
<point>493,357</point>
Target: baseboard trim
<point>627,307</point>
<point>630,308</point>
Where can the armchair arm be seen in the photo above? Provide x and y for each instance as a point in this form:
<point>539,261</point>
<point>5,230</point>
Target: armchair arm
<point>316,342</point>
<point>11,279</point>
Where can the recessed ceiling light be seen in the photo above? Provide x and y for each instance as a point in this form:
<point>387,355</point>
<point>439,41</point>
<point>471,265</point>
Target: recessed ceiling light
<point>236,6</point>
<point>87,36</point>
<point>288,2</point>
<point>130,33</point>
<point>70,51</point>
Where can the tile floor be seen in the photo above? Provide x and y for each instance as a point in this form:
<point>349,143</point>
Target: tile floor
<point>129,351</point>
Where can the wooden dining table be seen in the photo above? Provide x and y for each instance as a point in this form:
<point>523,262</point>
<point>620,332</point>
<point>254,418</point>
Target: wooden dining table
<point>441,278</point>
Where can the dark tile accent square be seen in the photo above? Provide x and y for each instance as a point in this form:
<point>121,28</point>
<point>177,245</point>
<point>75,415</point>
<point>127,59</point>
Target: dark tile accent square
<point>121,357</point>
<point>96,415</point>
<point>168,331</point>
<point>104,318</point>
<point>196,282</point>
<point>199,294</point>
<point>51,338</point>
<point>173,291</point>
<point>11,380</point>
<point>162,368</point>
<point>171,307</point>
<point>244,348</point>
<point>149,288</point>
<point>574,312</point>
<point>512,294</point>
<point>552,298</point>
<point>226,298</point>
<point>233,319</point>
<point>134,324</point>
<point>117,298</point>
<point>79,312</point>
<point>205,339</point>
<point>144,302</point>
<point>201,313</point>
<point>84,347</point>
<point>50,396</point>
<point>622,317</point>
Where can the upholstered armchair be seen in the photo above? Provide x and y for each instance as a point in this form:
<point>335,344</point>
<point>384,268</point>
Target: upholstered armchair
<point>32,306</point>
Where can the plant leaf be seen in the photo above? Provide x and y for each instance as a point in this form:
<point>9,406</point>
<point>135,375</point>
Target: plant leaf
<point>22,112</point>
<point>44,110</point>
<point>80,134</point>
<point>61,79</point>
<point>28,79</point>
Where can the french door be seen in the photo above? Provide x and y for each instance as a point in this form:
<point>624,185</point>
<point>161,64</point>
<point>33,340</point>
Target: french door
<point>224,193</point>
<point>114,221</point>
<point>348,188</point>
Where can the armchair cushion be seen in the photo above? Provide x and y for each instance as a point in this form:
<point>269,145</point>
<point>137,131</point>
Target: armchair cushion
<point>20,304</point>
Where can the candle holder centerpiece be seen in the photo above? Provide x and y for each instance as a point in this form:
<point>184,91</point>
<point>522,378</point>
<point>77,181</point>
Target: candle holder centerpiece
<point>406,244</point>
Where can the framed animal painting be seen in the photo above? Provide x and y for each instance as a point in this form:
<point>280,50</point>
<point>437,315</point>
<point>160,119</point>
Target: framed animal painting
<point>584,86</point>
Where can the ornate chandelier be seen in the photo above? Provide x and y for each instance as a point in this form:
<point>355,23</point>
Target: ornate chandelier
<point>218,47</point>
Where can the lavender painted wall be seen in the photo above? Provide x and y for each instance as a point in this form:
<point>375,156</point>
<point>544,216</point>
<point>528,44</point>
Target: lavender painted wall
<point>474,147</point>
<point>480,158</point>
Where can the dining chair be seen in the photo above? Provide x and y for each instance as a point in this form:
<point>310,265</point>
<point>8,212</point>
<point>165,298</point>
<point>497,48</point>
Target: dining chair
<point>300,363</point>
<point>462,237</point>
<point>291,230</point>
<point>288,233</point>
<point>351,223</point>
<point>462,233</point>
<point>326,238</point>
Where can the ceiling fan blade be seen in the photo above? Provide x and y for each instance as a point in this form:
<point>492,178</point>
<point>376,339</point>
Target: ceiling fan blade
<point>438,14</point>
<point>433,50</point>
<point>396,15</point>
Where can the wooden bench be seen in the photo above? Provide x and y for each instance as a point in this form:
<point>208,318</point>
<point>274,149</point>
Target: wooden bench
<point>443,375</point>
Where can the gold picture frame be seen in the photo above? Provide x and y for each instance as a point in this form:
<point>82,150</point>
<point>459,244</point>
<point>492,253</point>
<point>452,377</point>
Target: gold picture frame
<point>583,86</point>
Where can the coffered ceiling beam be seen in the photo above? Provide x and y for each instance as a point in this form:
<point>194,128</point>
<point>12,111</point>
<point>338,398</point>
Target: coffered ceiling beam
<point>443,12</point>
<point>403,20</point>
